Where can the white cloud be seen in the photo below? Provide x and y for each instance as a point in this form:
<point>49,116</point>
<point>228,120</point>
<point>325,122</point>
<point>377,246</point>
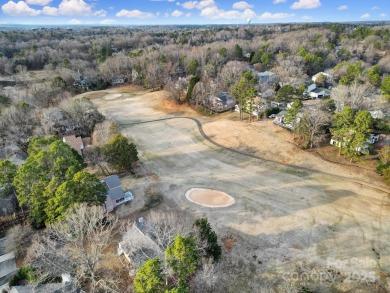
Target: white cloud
<point>342,7</point>
<point>19,9</point>
<point>189,5</point>
<point>270,16</point>
<point>48,10</point>
<point>177,13</point>
<point>365,15</point>
<point>205,3</point>
<point>74,7</point>
<point>108,21</point>
<point>382,15</point>
<point>278,1</point>
<point>215,13</point>
<point>134,14</point>
<point>307,17</point>
<point>242,5</point>
<point>306,4</point>
<point>38,2</point>
<point>198,4</point>
<point>188,14</point>
<point>74,21</point>
<point>375,8</point>
<point>171,0</point>
<point>100,13</point>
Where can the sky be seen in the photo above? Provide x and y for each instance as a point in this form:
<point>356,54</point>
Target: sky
<point>155,12</point>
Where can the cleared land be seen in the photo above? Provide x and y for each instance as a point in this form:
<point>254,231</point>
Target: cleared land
<point>293,211</point>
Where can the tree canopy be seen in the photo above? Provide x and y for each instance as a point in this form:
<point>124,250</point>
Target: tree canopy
<point>208,239</point>
<point>7,174</point>
<point>350,130</point>
<point>149,278</point>
<point>244,92</point>
<point>121,153</point>
<point>182,257</point>
<point>50,181</point>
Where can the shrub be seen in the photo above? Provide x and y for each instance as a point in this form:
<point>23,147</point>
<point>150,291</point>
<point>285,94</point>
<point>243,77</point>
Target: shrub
<point>24,273</point>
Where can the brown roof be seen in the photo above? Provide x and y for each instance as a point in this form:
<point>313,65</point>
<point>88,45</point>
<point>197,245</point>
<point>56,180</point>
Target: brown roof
<point>74,142</point>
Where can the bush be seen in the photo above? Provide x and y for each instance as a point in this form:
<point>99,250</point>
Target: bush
<point>269,111</point>
<point>381,125</point>
<point>26,273</point>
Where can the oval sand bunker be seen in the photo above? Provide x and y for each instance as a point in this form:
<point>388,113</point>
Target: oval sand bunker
<point>112,96</point>
<point>209,197</point>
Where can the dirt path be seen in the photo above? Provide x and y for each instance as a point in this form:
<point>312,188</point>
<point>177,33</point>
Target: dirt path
<point>291,207</point>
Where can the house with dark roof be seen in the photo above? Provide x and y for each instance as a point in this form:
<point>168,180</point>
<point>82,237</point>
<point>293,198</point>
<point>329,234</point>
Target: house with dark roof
<point>115,194</point>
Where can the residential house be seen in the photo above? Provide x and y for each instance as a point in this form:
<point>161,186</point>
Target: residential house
<point>315,92</point>
<point>267,77</point>
<point>118,80</point>
<point>328,78</point>
<point>364,149</point>
<point>220,102</point>
<point>137,246</point>
<point>280,120</point>
<point>66,286</point>
<point>77,143</point>
<point>115,195</point>
<point>7,267</point>
<point>378,114</point>
<point>82,82</point>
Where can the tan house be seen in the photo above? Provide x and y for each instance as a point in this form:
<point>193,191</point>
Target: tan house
<point>77,143</point>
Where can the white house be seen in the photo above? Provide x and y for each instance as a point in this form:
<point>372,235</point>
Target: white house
<point>364,149</point>
<point>314,92</point>
<point>328,77</point>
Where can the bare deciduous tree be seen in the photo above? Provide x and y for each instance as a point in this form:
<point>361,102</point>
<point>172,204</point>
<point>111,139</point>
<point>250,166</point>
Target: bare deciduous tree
<point>163,227</point>
<point>17,125</point>
<point>82,114</point>
<point>354,95</point>
<point>104,132</point>
<point>18,239</point>
<point>311,127</point>
<point>78,246</point>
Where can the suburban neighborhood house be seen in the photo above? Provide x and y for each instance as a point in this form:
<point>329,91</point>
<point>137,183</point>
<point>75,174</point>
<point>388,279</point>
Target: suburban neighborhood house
<point>364,149</point>
<point>326,78</point>
<point>221,101</point>
<point>267,77</point>
<point>315,92</point>
<point>137,246</point>
<point>77,143</point>
<point>7,267</point>
<point>115,195</point>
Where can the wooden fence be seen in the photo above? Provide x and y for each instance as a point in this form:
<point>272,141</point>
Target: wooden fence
<point>12,220</point>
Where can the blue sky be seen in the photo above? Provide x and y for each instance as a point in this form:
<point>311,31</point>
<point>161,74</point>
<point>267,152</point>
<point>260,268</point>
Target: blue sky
<point>141,12</point>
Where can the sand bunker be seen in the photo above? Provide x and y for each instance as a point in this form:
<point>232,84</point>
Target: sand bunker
<point>111,96</point>
<point>209,197</point>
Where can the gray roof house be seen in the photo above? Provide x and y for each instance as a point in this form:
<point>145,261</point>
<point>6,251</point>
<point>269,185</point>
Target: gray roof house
<point>267,77</point>
<point>137,246</point>
<point>7,267</point>
<point>115,194</point>
<point>222,101</point>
